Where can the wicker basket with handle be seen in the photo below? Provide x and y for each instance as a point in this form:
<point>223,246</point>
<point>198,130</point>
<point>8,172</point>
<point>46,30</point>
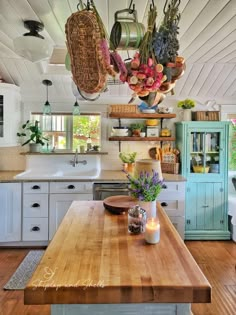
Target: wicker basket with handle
<point>88,51</point>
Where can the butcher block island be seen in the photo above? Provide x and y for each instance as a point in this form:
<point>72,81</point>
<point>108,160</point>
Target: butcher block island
<point>94,266</point>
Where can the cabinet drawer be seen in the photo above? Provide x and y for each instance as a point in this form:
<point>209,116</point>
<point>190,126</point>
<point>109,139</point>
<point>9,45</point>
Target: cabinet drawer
<point>35,229</point>
<point>172,207</point>
<point>35,187</point>
<point>71,187</point>
<point>174,189</point>
<point>179,223</point>
<point>35,205</point>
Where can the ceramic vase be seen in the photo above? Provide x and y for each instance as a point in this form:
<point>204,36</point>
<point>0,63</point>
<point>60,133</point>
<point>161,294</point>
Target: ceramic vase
<point>128,167</point>
<point>150,207</point>
<point>35,147</point>
<point>187,115</point>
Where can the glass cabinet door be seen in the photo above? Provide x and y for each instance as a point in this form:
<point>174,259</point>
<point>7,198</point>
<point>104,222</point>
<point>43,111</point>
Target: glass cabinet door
<point>204,152</point>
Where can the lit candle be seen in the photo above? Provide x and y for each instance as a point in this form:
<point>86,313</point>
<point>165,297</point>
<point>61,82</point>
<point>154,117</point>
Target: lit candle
<point>152,231</point>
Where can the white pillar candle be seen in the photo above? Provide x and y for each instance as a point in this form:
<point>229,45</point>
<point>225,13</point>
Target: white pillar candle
<point>152,231</point>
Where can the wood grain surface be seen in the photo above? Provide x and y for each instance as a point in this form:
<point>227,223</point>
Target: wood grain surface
<point>93,259</point>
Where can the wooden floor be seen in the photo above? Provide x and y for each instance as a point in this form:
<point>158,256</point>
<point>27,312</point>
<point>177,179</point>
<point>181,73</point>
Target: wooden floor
<point>217,259</point>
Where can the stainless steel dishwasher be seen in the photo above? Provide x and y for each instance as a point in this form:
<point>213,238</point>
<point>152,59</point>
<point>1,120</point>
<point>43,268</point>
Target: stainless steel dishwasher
<point>104,190</point>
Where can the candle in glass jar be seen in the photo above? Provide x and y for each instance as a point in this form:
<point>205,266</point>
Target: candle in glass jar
<point>152,231</point>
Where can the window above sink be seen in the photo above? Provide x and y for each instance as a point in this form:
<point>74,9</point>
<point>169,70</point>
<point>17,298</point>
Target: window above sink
<point>68,132</point>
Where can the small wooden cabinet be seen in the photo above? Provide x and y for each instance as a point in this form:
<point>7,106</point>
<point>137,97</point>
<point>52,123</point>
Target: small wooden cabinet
<point>204,163</point>
<point>10,114</point>
<point>10,212</point>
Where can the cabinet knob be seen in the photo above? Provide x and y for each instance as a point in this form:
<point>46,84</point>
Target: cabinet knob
<point>164,186</point>
<point>35,205</point>
<point>36,187</point>
<point>164,204</point>
<point>35,228</point>
<point>71,187</point>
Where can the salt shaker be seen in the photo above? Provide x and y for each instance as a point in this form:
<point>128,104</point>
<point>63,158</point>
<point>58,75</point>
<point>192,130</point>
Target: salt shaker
<point>136,220</point>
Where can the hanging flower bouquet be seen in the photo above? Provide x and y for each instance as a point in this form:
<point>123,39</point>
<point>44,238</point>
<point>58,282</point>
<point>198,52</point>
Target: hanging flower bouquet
<point>144,74</point>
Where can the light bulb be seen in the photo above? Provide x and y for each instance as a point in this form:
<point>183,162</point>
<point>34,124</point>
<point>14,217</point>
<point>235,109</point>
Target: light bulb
<point>76,109</point>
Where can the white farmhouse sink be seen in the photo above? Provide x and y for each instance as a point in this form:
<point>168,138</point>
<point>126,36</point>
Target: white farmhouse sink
<point>59,167</point>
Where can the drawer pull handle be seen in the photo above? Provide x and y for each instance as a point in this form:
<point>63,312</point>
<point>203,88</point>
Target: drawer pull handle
<point>35,229</point>
<point>164,186</point>
<point>164,204</point>
<point>36,187</point>
<point>71,187</point>
<point>35,205</point>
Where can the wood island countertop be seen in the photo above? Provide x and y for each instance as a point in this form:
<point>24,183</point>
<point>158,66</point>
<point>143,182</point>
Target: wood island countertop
<point>93,259</point>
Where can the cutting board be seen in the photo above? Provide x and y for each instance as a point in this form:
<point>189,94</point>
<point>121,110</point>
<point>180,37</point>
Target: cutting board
<point>120,203</point>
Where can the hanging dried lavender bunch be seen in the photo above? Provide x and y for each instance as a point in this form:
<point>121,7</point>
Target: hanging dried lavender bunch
<point>165,42</point>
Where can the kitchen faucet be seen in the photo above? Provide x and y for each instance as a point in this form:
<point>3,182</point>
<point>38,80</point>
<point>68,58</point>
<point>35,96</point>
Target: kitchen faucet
<point>75,161</point>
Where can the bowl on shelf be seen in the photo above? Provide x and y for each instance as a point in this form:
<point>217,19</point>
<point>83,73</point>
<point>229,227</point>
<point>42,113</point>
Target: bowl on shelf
<point>201,169</point>
<point>120,131</point>
<point>152,122</point>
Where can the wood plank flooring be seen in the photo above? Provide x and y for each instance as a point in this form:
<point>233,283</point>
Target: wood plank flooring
<point>217,259</point>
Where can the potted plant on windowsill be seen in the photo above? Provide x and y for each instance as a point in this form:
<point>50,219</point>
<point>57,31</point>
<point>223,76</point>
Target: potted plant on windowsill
<point>128,159</point>
<point>35,135</point>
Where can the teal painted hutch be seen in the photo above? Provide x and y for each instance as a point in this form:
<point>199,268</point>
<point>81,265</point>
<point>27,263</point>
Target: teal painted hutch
<point>204,162</point>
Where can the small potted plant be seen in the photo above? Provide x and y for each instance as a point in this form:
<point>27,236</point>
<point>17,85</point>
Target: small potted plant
<point>186,105</point>
<point>35,135</point>
<point>128,159</point>
<point>136,129</point>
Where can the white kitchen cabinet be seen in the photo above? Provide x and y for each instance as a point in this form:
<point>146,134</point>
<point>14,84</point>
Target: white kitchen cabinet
<point>62,194</point>
<point>172,200</point>
<point>10,212</point>
<point>10,114</point>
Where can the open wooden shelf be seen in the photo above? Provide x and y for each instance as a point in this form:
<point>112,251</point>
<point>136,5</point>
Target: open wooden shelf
<point>141,139</point>
<point>141,115</point>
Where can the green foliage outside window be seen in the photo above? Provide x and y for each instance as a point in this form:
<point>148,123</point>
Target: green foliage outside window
<point>232,148</point>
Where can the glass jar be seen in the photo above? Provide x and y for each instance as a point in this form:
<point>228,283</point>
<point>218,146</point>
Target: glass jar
<point>136,220</point>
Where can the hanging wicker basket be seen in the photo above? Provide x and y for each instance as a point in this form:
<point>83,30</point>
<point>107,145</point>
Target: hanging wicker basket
<point>86,49</point>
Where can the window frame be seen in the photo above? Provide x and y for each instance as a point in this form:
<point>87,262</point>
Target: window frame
<point>68,126</point>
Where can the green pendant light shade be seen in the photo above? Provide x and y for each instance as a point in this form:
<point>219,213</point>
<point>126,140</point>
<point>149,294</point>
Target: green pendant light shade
<point>76,109</point>
<point>47,107</point>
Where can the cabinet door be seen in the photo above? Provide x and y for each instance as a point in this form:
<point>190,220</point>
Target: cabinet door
<point>10,212</point>
<point>9,114</point>
<point>205,151</point>
<point>58,205</point>
<point>205,206</point>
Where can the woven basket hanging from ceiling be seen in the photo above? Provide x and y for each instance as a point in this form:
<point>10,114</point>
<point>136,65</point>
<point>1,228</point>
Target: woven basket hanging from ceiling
<point>88,51</point>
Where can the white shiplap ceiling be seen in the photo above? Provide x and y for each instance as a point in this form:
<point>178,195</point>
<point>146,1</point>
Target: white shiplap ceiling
<point>207,41</point>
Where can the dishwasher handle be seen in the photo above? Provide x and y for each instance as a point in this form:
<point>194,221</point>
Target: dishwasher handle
<point>97,189</point>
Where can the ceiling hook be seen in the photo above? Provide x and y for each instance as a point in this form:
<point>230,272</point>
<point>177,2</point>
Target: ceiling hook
<point>80,5</point>
<point>131,10</point>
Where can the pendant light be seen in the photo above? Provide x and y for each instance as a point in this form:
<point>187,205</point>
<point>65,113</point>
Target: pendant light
<point>76,109</point>
<point>47,107</point>
<point>32,46</point>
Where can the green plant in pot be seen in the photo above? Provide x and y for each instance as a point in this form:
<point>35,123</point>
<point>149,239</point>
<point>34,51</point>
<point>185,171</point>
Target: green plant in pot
<point>128,159</point>
<point>136,129</point>
<point>34,134</point>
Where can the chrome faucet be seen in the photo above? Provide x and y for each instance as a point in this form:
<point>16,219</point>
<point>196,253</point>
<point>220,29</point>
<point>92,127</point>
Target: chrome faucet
<point>75,161</point>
